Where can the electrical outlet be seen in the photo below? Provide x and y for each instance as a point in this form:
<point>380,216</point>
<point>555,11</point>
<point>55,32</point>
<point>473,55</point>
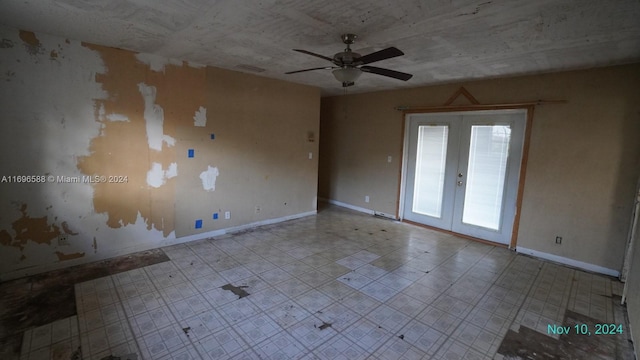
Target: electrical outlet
<point>558,239</point>
<point>227,215</point>
<point>389,158</point>
<point>366,199</point>
<point>257,209</point>
<point>63,240</point>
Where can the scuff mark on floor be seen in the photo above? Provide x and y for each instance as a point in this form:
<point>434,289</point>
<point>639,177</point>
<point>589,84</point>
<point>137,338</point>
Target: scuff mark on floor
<point>123,357</point>
<point>238,290</point>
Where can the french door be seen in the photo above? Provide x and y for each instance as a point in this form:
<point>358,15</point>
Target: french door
<point>461,171</point>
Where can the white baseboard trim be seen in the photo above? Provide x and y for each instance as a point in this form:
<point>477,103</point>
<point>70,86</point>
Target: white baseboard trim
<point>385,215</point>
<point>252,225</point>
<point>570,262</point>
<point>33,270</point>
<point>348,206</point>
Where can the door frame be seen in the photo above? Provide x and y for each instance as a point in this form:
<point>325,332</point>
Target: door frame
<point>529,109</point>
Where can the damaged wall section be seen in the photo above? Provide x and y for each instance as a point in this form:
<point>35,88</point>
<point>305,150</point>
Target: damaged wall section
<point>109,133</point>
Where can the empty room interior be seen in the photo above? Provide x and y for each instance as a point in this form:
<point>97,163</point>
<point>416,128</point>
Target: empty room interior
<point>192,179</point>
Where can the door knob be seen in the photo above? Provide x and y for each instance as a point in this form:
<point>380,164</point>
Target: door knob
<point>459,175</point>
<point>459,183</point>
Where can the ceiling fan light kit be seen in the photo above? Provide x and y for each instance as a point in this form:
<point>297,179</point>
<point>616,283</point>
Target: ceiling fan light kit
<point>349,65</point>
<point>347,74</point>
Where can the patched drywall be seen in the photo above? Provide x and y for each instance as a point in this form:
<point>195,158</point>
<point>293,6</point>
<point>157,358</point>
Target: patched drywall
<point>89,149</point>
<point>252,152</point>
<point>209,177</point>
<point>153,99</point>
<point>583,159</point>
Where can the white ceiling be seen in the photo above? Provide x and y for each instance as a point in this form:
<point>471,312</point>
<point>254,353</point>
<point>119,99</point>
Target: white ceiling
<point>444,40</point>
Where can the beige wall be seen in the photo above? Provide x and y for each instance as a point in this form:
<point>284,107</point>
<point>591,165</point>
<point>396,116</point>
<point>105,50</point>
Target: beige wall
<point>71,110</point>
<point>583,159</point>
<point>261,149</point>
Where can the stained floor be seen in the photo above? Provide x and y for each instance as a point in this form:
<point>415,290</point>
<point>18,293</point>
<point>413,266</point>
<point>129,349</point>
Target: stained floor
<point>333,286</point>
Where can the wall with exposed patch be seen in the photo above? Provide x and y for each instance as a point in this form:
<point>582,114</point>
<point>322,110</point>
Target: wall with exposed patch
<point>584,158</point>
<point>104,151</point>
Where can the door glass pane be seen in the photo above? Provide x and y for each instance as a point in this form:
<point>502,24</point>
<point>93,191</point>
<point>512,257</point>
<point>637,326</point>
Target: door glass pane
<point>485,175</point>
<point>430,165</point>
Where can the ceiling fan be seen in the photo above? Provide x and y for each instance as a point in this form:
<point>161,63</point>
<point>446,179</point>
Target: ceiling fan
<point>348,65</point>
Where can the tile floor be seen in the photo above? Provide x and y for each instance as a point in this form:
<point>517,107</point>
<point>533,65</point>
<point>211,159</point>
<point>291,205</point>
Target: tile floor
<point>339,285</point>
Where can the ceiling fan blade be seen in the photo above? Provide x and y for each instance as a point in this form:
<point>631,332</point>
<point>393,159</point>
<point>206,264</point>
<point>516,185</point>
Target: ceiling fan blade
<point>384,54</point>
<point>386,72</point>
<point>313,54</point>
<point>318,68</point>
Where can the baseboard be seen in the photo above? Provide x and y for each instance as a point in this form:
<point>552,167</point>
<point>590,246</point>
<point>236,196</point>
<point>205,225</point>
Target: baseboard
<point>384,215</point>
<point>170,240</point>
<point>570,262</point>
<point>220,232</point>
<point>348,206</point>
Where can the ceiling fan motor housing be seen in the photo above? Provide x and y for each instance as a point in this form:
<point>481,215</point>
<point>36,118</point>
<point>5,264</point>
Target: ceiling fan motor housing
<point>345,58</point>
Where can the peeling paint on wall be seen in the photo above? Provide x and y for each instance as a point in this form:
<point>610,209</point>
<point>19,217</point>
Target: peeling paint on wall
<point>49,112</point>
<point>200,118</point>
<point>102,116</point>
<point>86,117</point>
<point>117,117</point>
<point>123,147</point>
<point>155,62</point>
<point>209,177</point>
<point>66,229</point>
<point>154,117</point>
<point>26,228</point>
<point>157,177</point>
<point>88,113</point>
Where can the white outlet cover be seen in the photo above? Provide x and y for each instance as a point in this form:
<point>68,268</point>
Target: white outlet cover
<point>310,155</point>
<point>227,215</point>
<point>366,198</point>
<point>389,158</point>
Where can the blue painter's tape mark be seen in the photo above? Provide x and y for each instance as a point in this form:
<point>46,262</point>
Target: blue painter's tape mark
<point>213,136</point>
<point>191,153</point>
<point>198,223</point>
<point>215,216</point>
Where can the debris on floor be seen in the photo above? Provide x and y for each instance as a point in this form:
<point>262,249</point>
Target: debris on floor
<point>123,357</point>
<point>238,290</point>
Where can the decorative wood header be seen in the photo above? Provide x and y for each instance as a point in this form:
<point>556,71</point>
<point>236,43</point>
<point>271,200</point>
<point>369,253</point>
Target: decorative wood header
<point>474,104</point>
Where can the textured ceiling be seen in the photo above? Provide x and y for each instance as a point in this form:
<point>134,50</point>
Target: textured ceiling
<point>444,40</point>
